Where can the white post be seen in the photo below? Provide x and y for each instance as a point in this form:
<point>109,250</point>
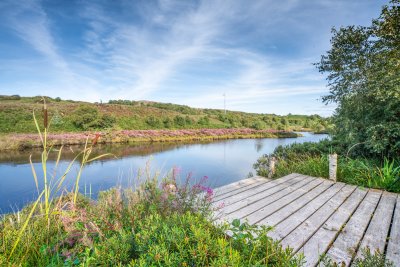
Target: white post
<point>272,162</point>
<point>332,166</point>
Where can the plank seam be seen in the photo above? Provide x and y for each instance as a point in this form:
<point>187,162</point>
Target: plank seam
<point>390,226</point>
<point>238,200</point>
<point>316,230</point>
<point>281,197</point>
<point>313,214</point>
<point>297,175</point>
<point>255,184</point>
<point>345,223</point>
<point>299,207</point>
<point>366,229</point>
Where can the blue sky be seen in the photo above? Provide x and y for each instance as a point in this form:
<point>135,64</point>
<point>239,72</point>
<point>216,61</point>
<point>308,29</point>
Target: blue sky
<point>258,52</point>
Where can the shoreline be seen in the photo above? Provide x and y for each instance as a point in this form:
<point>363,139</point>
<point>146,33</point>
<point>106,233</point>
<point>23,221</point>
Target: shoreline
<point>24,141</point>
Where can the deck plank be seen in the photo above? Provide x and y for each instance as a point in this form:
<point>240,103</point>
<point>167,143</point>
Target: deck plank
<point>292,197</point>
<point>318,244</point>
<point>242,199</point>
<point>315,216</point>
<point>234,188</point>
<point>343,249</point>
<point>378,229</point>
<point>253,203</point>
<point>280,215</point>
<point>303,232</point>
<point>393,248</point>
<point>285,227</point>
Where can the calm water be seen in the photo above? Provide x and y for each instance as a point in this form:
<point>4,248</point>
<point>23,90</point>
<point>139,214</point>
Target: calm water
<point>223,162</point>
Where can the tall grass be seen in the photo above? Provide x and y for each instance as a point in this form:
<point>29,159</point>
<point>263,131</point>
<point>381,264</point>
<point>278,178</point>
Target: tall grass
<point>52,185</point>
<point>359,171</point>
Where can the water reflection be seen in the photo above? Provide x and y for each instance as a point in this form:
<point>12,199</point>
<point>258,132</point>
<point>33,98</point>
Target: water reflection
<point>222,161</point>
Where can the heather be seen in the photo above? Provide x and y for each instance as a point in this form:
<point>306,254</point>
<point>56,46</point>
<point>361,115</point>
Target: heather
<point>23,141</point>
<point>75,116</point>
<point>154,224</point>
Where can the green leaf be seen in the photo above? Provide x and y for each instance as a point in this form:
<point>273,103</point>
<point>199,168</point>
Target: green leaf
<point>236,223</point>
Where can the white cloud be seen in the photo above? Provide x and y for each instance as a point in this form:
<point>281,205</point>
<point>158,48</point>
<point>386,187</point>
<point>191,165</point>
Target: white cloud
<point>178,51</point>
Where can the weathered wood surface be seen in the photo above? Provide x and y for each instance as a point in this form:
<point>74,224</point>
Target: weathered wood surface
<point>315,216</point>
<point>393,249</point>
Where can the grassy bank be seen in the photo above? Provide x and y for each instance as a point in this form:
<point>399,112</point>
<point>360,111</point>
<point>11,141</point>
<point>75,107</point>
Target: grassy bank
<point>24,141</point>
<point>312,159</point>
<point>75,116</point>
<point>151,224</point>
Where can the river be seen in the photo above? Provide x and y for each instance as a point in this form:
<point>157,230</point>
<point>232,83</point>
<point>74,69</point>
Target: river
<point>223,162</point>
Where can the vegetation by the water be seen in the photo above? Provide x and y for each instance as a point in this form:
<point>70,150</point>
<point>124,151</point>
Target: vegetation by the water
<point>74,116</point>
<point>151,224</point>
<point>163,224</point>
<point>312,159</point>
<point>23,141</point>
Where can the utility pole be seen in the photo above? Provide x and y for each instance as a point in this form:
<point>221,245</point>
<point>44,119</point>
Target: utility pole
<point>224,103</point>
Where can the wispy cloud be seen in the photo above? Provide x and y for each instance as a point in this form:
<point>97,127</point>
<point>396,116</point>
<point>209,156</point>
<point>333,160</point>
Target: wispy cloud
<point>188,52</point>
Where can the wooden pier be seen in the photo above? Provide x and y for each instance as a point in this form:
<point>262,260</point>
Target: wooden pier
<point>316,216</point>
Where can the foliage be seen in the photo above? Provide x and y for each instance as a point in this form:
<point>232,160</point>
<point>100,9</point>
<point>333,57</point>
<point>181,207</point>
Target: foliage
<point>312,159</point>
<point>72,116</point>
<point>367,259</point>
<point>363,70</point>
<point>156,224</point>
<point>86,117</point>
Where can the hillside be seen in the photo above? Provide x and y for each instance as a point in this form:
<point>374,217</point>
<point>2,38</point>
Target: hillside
<point>77,116</point>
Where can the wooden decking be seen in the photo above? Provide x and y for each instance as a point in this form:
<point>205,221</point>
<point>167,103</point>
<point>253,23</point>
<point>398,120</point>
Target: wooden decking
<point>315,216</point>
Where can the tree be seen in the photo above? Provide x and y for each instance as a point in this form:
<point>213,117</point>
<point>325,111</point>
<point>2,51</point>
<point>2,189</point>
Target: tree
<point>363,67</point>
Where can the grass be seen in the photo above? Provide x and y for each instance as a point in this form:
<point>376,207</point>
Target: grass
<point>25,141</point>
<point>74,116</point>
<point>367,259</point>
<point>309,159</point>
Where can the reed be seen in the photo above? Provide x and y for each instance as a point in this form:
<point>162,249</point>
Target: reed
<point>53,185</point>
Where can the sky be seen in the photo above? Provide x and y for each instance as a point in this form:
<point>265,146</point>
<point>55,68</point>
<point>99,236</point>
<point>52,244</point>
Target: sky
<point>259,53</point>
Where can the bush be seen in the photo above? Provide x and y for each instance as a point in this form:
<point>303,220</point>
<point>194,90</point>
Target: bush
<point>10,97</point>
<point>179,121</point>
<point>153,122</point>
<point>259,125</point>
<point>86,117</point>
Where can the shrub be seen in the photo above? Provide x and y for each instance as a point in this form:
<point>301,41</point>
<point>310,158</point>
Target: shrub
<point>84,117</point>
<point>179,121</point>
<point>153,122</point>
<point>87,117</point>
<point>259,125</point>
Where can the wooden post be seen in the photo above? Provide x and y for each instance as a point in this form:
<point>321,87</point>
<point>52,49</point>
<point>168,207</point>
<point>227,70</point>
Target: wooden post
<point>272,162</point>
<point>332,166</point>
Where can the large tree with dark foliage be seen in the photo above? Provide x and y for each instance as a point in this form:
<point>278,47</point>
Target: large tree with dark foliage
<point>363,68</point>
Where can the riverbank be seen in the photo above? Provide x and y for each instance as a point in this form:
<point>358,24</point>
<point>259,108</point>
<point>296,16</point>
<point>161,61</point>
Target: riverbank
<point>156,224</point>
<point>26,141</point>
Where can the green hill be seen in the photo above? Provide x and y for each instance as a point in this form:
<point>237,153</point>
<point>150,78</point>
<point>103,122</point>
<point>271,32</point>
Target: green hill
<point>76,116</point>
